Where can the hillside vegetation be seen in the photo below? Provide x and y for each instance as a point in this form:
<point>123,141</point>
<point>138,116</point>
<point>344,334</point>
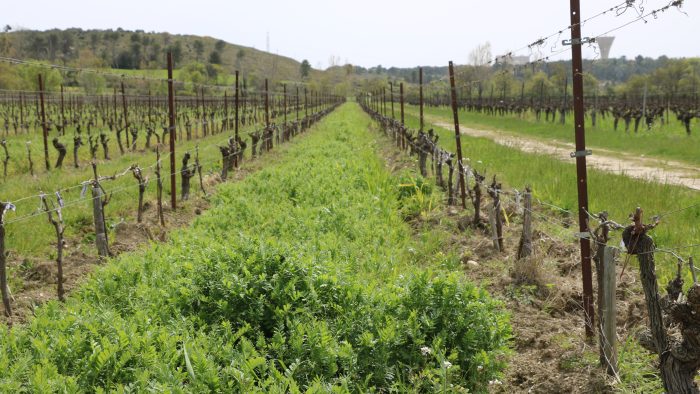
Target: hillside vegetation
<point>139,50</point>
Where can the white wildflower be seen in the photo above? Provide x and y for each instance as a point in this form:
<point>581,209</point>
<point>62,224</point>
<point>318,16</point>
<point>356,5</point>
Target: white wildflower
<point>480,367</point>
<point>446,364</point>
<point>425,350</point>
<point>495,382</point>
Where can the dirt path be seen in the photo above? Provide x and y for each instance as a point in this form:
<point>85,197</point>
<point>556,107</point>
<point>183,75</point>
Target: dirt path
<point>656,170</point>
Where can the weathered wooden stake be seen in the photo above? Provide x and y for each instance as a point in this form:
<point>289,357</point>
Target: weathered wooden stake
<point>159,185</point>
<point>29,158</point>
<point>608,333</point>
<point>525,247</point>
<point>58,227</point>
<point>460,174</point>
<point>198,166</point>
<point>493,218</point>
<point>44,126</point>
<point>99,200</point>
<point>4,206</point>
<point>5,160</point>
<point>143,182</point>
<point>692,270</point>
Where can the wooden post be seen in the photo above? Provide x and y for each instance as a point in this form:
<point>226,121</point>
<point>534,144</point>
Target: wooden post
<point>205,129</point>
<point>58,227</point>
<point>608,321</point>
<point>420,100</point>
<point>267,105</point>
<point>63,116</point>
<point>460,171</point>
<point>237,105</point>
<point>138,174</point>
<point>126,116</point>
<point>492,221</point>
<point>402,114</point>
<point>98,215</point>
<point>391,93</point>
<point>198,167</point>
<point>43,124</point>
<point>159,184</point>
<point>284,99</point>
<point>171,132</point>
<point>692,270</point>
<point>4,206</point>
<point>525,247</point>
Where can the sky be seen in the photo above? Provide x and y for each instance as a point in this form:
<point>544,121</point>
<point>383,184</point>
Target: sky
<point>368,33</point>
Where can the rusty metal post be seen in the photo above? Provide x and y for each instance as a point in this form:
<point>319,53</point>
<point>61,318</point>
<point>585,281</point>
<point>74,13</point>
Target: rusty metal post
<point>21,112</point>
<point>205,128</point>
<point>391,93</point>
<point>384,101</point>
<point>462,187</point>
<point>297,104</point>
<point>225,124</point>
<point>171,132</point>
<point>580,154</point>
<point>236,125</point>
<point>267,105</point>
<point>420,95</point>
<point>43,123</point>
<point>403,138</point>
<point>63,116</point>
<point>126,117</point>
<point>401,99</point>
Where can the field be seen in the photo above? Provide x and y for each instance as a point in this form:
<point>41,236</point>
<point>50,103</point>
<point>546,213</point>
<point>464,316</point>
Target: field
<point>552,181</point>
<point>320,244</point>
<point>666,142</point>
<point>292,281</point>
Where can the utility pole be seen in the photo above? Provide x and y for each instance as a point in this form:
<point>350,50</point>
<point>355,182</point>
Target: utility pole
<point>580,155</point>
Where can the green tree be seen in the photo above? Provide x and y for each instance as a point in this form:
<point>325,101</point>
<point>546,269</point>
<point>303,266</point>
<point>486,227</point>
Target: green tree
<point>239,58</point>
<point>91,83</point>
<point>305,69</point>
<point>176,50</point>
<point>215,57</point>
<point>198,49</point>
<point>196,73</point>
<point>220,45</point>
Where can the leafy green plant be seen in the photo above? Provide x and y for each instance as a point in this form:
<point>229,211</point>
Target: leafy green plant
<point>416,197</point>
<point>270,294</point>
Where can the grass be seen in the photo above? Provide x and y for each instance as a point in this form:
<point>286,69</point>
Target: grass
<point>668,142</point>
<point>553,182</point>
<point>32,237</point>
<point>294,281</point>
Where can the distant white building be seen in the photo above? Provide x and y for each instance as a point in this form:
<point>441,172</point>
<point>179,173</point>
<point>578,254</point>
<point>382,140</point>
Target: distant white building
<point>604,44</point>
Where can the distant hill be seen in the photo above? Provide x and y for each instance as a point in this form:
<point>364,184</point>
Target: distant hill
<point>615,70</point>
<point>140,50</point>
